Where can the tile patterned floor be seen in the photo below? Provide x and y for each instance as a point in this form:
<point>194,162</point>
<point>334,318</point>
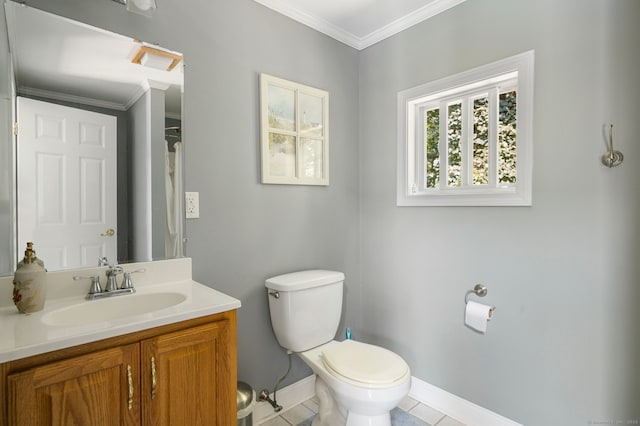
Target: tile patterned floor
<point>409,413</point>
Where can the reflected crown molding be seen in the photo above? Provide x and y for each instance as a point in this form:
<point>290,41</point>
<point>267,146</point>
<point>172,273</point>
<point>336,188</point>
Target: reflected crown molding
<point>30,91</point>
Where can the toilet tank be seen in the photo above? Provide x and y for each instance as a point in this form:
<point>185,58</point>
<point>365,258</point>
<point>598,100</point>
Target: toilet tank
<point>305,307</point>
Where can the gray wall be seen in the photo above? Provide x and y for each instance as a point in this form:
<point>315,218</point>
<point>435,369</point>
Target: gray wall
<point>563,347</point>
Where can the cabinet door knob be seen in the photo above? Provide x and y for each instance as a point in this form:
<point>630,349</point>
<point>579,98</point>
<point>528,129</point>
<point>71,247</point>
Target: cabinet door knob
<point>154,379</point>
<point>130,381</point>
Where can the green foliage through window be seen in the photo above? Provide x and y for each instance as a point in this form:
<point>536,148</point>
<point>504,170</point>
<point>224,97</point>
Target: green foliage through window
<point>454,144</point>
<point>507,137</point>
<point>480,141</point>
<point>433,153</point>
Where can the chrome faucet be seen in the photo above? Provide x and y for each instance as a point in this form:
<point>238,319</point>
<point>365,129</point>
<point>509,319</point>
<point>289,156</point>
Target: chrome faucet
<point>111,288</point>
<point>112,273</point>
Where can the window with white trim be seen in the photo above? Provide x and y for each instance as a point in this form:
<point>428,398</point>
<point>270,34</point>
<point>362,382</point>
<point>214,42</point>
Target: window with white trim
<point>466,140</point>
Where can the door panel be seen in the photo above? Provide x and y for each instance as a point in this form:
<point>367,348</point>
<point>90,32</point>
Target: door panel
<point>67,183</point>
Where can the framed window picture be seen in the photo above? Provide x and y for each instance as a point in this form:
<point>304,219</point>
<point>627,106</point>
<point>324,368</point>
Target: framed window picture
<point>294,132</point>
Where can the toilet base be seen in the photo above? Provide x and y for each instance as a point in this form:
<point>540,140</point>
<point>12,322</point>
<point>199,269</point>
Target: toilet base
<point>330,413</point>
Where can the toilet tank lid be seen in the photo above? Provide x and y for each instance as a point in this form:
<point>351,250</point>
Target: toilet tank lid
<point>304,279</point>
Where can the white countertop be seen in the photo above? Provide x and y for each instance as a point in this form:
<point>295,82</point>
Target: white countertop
<point>25,335</point>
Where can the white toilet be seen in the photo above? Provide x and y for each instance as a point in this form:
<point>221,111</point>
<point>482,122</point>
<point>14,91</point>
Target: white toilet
<point>357,384</point>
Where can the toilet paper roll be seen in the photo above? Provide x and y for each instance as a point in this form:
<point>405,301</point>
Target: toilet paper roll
<point>476,316</point>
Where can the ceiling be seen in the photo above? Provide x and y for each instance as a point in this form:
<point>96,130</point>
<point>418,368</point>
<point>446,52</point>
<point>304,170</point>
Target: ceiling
<point>58,58</point>
<point>359,23</point>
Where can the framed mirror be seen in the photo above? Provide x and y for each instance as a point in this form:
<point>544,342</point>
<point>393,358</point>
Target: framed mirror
<point>97,148</point>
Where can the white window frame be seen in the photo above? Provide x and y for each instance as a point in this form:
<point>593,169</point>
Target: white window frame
<point>516,72</point>
<point>298,177</point>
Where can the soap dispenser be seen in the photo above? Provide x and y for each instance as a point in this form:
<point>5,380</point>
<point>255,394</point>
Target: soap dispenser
<point>30,283</point>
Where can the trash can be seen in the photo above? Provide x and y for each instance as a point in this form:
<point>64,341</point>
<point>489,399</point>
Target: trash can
<point>246,401</point>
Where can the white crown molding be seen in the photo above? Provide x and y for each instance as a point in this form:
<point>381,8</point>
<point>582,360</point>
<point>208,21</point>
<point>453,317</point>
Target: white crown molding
<point>407,21</point>
<point>141,90</point>
<point>350,39</point>
<point>312,21</point>
<point>30,91</point>
<point>160,85</point>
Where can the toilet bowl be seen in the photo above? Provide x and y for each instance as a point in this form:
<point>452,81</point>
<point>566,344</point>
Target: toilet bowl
<point>357,384</point>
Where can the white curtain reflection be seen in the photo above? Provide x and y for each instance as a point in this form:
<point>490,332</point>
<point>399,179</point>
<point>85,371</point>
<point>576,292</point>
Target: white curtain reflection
<point>173,187</point>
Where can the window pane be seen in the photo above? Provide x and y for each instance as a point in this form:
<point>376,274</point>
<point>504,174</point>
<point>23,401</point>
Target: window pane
<point>481,141</point>
<point>432,175</point>
<point>282,155</point>
<point>311,158</point>
<point>507,137</point>
<point>310,114</point>
<point>282,108</point>
<point>454,154</point>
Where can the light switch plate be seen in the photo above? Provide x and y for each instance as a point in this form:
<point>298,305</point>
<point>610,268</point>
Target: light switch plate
<point>192,205</point>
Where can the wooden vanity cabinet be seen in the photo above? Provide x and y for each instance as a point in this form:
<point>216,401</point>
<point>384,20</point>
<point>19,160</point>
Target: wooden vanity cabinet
<point>86,390</point>
<point>179,374</point>
<point>179,369</point>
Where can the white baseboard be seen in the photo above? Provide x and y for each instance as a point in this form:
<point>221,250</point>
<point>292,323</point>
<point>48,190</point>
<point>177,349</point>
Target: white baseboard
<point>288,397</point>
<point>456,407</point>
<point>428,394</point>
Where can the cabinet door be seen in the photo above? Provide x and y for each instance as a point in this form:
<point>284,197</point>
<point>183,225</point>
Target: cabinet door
<point>98,389</point>
<point>187,377</point>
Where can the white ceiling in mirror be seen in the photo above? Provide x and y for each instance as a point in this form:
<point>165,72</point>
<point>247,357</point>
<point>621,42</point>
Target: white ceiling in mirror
<point>360,23</point>
<point>63,59</point>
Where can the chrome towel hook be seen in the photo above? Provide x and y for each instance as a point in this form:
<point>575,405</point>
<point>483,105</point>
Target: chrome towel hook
<point>612,158</point>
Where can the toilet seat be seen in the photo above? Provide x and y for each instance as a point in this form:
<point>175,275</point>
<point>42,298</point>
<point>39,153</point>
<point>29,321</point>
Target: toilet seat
<point>363,363</point>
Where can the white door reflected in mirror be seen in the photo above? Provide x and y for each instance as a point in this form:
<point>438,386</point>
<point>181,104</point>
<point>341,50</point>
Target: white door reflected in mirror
<point>67,183</point>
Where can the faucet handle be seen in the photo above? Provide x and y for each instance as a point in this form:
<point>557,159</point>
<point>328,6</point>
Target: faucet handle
<point>126,281</point>
<point>95,282</point>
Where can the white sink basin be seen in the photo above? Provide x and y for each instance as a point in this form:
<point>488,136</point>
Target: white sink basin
<point>109,309</point>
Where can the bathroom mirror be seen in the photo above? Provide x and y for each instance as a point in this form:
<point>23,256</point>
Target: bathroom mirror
<point>79,206</point>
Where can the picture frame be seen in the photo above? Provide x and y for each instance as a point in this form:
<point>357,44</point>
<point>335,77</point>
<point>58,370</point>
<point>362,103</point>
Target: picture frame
<point>294,132</point>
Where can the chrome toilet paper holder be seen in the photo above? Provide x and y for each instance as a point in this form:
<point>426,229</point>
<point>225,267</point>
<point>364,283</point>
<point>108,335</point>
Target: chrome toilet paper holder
<point>479,290</point>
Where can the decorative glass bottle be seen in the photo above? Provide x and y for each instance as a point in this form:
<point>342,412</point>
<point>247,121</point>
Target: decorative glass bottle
<point>30,283</point>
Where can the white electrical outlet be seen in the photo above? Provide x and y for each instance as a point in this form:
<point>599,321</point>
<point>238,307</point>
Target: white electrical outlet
<point>192,205</point>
